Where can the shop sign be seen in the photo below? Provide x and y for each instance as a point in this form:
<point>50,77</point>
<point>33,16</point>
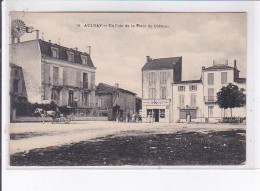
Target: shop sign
<point>156,102</point>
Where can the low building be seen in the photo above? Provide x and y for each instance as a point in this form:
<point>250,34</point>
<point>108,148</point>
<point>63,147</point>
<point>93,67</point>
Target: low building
<point>56,73</point>
<point>115,102</point>
<point>158,75</point>
<point>187,101</point>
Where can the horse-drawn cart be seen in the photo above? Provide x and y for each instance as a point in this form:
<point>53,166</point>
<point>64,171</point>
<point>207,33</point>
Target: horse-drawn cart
<point>57,116</point>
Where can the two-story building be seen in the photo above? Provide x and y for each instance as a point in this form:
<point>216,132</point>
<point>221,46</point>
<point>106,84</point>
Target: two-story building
<point>187,101</point>
<point>158,75</point>
<point>196,100</point>
<point>56,73</point>
<point>115,102</point>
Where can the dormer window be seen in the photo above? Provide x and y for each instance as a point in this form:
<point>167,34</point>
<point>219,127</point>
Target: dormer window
<point>54,52</point>
<point>84,60</point>
<point>70,56</point>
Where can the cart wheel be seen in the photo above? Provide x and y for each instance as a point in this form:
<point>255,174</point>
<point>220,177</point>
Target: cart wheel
<point>72,119</point>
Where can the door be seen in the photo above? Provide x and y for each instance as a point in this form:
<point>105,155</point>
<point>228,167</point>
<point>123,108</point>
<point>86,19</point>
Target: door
<point>156,115</point>
<point>71,97</point>
<point>210,111</point>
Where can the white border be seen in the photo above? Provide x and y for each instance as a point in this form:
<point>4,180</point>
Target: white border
<point>54,179</point>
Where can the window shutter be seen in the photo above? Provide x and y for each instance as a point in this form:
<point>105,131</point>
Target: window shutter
<point>78,81</point>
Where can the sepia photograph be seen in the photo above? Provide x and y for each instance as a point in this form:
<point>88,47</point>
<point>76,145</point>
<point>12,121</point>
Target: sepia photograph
<point>127,89</point>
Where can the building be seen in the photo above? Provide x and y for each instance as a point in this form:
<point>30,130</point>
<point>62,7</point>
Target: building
<point>17,88</point>
<point>56,73</point>
<point>115,102</point>
<point>195,100</point>
<point>213,79</point>
<point>187,101</point>
<point>158,75</point>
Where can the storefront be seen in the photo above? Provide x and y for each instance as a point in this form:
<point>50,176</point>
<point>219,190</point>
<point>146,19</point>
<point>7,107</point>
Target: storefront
<point>156,111</point>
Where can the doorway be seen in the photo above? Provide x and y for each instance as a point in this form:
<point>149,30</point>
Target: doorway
<point>71,97</point>
<point>156,115</point>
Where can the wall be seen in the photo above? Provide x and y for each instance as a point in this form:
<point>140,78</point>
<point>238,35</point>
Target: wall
<point>27,55</point>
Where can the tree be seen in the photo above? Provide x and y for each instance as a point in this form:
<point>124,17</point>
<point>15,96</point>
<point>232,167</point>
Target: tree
<point>231,97</point>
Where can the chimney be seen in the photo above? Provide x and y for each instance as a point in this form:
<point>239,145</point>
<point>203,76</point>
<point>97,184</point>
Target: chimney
<point>117,85</point>
<point>37,34</point>
<point>235,64</point>
<point>148,59</point>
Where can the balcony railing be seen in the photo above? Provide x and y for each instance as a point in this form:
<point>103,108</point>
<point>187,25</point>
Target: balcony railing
<point>210,99</point>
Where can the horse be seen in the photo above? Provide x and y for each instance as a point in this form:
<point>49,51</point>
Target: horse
<point>44,113</point>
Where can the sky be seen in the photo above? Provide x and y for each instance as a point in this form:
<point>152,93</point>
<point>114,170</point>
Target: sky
<point>119,53</point>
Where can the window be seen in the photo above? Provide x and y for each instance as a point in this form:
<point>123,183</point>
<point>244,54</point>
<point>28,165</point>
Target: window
<point>99,102</point>
<point>163,93</point>
<point>85,80</point>
<point>15,85</point>
<point>151,77</point>
<point>210,78</point>
<point>162,113</point>
<point>193,100</point>
<point>211,94</point>
<point>55,95</point>
<point>70,56</point>
<point>55,75</point>
<point>181,88</point>
<point>84,60</point>
<point>54,52</point>
<point>152,93</point>
<point>223,77</point>
<point>181,100</point>
<point>210,111</point>
<point>193,88</point>
<point>163,77</point>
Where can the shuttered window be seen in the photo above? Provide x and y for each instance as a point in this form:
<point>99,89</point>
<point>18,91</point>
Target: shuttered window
<point>193,100</point>
<point>210,78</point>
<point>181,88</point>
<point>181,100</point>
<point>163,93</point>
<point>223,77</point>
<point>151,77</point>
<point>152,93</point>
<point>55,75</point>
<point>163,77</point>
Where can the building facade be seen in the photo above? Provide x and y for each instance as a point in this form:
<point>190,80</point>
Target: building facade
<point>55,73</point>
<point>17,89</point>
<point>114,102</point>
<point>196,100</point>
<point>157,78</point>
<point>187,101</point>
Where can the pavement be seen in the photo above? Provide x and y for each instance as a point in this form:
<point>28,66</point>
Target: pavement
<point>28,136</point>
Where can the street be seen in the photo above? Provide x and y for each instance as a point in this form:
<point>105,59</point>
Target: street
<point>27,136</point>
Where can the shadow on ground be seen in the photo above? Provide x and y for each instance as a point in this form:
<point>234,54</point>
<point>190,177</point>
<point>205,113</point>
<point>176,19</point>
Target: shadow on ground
<point>212,148</point>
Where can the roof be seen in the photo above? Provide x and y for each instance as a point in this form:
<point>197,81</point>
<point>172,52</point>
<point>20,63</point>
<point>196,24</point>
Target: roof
<point>240,80</point>
<point>45,48</point>
<point>161,63</point>
<point>189,82</point>
<point>219,67</point>
<point>103,88</point>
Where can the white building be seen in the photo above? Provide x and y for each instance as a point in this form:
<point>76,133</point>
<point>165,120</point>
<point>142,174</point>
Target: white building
<point>193,100</point>
<point>157,78</point>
